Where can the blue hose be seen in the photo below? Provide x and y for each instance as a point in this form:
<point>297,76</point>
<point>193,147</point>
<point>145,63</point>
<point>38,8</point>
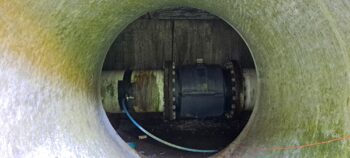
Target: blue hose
<point>125,110</point>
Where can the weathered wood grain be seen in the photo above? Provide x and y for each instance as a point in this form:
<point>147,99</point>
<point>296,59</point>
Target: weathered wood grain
<point>148,43</point>
<point>144,44</point>
<point>212,40</point>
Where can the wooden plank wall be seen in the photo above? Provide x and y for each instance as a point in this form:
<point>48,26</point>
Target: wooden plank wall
<point>148,42</point>
<point>145,44</point>
<point>211,40</point>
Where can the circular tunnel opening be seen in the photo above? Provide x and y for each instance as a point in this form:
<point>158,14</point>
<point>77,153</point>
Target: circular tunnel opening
<point>187,77</point>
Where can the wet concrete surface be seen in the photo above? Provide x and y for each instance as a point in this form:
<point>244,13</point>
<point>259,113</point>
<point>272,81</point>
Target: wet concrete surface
<point>200,134</point>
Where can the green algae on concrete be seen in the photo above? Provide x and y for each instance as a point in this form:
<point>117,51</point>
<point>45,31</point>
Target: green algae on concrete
<point>52,53</point>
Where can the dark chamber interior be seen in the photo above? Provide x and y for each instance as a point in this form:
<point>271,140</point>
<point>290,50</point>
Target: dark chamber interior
<point>182,35</point>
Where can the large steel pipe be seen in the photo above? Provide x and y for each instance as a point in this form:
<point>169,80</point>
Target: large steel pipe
<point>149,90</point>
<point>51,54</point>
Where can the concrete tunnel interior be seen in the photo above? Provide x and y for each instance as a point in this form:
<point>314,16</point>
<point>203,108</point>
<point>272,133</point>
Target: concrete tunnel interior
<point>52,55</point>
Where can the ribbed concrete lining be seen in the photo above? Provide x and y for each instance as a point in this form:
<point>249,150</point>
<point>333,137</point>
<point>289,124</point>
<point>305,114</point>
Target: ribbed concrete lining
<point>51,54</point>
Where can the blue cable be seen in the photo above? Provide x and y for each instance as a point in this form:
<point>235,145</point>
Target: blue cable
<point>125,110</point>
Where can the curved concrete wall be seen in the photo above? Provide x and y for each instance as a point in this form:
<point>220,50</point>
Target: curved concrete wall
<point>51,55</point>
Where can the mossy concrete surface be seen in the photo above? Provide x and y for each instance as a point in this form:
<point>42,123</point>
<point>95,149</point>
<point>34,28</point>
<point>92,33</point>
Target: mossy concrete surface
<point>51,55</point>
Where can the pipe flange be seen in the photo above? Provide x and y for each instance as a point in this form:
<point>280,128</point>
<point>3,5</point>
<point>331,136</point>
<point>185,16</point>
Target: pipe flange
<point>235,88</point>
<point>169,88</point>
<point>173,90</point>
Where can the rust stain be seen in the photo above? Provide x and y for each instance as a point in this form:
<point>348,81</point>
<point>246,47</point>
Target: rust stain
<point>146,92</point>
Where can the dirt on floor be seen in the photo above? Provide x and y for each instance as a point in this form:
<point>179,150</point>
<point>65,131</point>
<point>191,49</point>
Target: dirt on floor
<point>199,134</point>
